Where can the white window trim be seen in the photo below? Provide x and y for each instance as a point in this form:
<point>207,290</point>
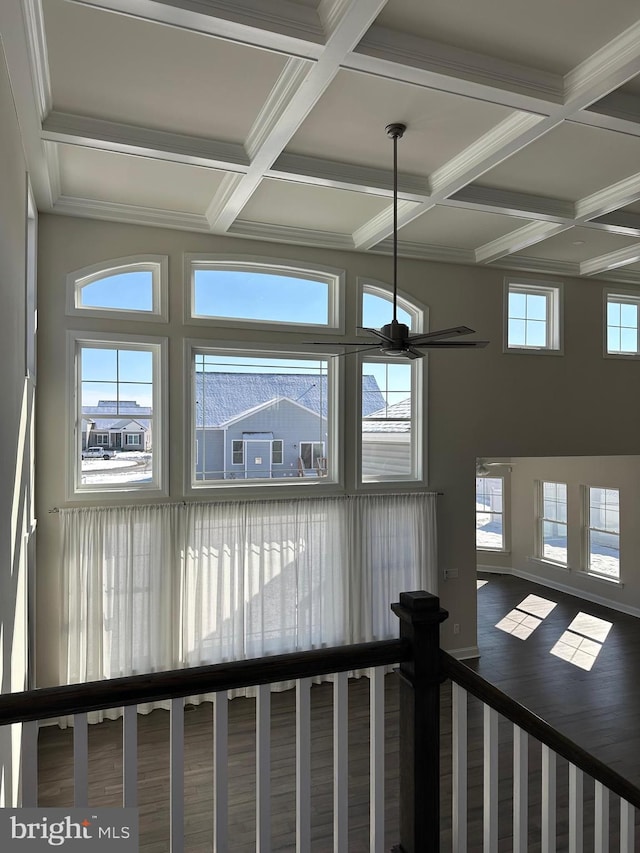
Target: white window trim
<point>506,504</point>
<point>241,442</point>
<point>586,527</point>
<point>281,442</point>
<point>335,479</point>
<point>553,290</point>
<point>75,490</point>
<point>31,286</point>
<point>418,423</point>
<point>540,519</point>
<point>332,276</point>
<point>418,312</point>
<point>158,265</point>
<point>625,296</point>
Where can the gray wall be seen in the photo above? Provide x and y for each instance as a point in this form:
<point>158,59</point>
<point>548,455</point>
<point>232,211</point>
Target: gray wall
<point>15,425</point>
<point>481,403</point>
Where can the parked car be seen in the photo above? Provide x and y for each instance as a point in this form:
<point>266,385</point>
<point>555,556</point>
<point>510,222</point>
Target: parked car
<point>97,452</point>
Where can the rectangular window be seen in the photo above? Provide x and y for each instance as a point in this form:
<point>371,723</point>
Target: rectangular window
<point>241,401</point>
<point>532,317</point>
<point>237,451</point>
<point>389,446</point>
<point>602,533</point>
<point>622,324</point>
<point>117,384</point>
<point>552,522</point>
<point>490,513</point>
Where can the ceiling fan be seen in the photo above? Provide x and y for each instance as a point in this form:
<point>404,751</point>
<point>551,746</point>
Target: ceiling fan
<point>483,466</point>
<point>394,338</point>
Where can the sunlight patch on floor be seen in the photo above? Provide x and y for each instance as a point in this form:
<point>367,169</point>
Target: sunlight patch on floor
<point>582,642</point>
<point>519,624</point>
<point>537,606</point>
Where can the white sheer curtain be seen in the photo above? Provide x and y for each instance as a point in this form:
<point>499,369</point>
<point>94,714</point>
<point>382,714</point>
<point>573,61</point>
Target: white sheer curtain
<point>147,588</point>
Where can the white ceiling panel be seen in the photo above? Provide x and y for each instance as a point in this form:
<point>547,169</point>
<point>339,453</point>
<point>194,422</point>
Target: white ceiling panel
<point>549,35</point>
<point>120,178</point>
<point>348,124</point>
<point>570,162</point>
<point>304,206</point>
<point>119,68</point>
<point>578,244</point>
<point>458,228</point>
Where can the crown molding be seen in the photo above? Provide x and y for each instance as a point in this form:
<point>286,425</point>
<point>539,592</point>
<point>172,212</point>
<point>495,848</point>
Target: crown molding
<point>53,171</point>
<point>511,203</point>
<point>291,78</point>
<point>331,13</point>
<point>630,278</point>
<point>290,234</point>
<point>224,194</point>
<point>451,69</point>
<point>114,136</point>
<point>347,176</point>
<point>381,225</point>
<point>38,58</point>
<point>605,70</point>
<point>426,252</point>
<point>618,222</point>
<point>542,266</point>
<point>503,140</point>
<point>618,111</point>
<point>129,213</point>
<point>604,263</point>
<point>279,25</point>
<point>516,241</point>
<point>613,197</point>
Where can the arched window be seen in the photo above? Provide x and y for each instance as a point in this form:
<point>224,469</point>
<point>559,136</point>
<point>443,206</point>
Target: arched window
<point>134,286</point>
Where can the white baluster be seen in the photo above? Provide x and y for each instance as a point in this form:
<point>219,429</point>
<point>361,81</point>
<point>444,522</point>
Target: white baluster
<point>80,761</point>
<point>303,765</point>
<point>576,809</point>
<point>601,818</point>
<point>176,775</point>
<point>29,767</point>
<point>520,790</point>
<point>376,760</point>
<point>130,757</point>
<point>263,769</point>
<point>340,763</point>
<point>459,769</point>
<point>220,781</point>
<point>490,780</point>
<point>627,827</point>
<point>548,800</point>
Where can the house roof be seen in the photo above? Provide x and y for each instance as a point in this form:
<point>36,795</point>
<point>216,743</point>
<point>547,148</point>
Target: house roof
<point>400,410</point>
<point>222,397</point>
<point>117,407</point>
<point>109,424</point>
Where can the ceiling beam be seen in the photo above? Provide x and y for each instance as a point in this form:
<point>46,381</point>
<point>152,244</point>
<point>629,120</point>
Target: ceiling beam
<point>517,240</point>
<point>612,260</point>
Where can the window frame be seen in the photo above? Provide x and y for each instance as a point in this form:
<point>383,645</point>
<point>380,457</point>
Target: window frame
<point>279,441</point>
<point>335,431</point>
<point>418,312</point>
<point>506,544</point>
<point>628,297</point>
<point>157,265</point>
<point>553,293</point>
<point>542,519</point>
<point>332,276</point>
<point>235,451</point>
<point>588,528</point>
<point>158,487</point>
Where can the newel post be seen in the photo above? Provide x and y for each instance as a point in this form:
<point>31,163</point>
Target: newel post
<point>420,616</point>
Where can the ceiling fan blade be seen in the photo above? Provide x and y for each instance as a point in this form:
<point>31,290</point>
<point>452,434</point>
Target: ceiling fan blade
<point>412,353</point>
<point>341,343</point>
<point>354,351</point>
<point>452,344</point>
<point>440,333</point>
<point>375,332</point>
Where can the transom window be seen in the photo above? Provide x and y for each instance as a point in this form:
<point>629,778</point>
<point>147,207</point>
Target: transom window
<point>135,285</point>
<point>622,324</point>
<point>256,292</point>
<point>490,513</point>
<point>532,316</point>
<point>377,309</point>
<point>602,532</point>
<point>552,522</point>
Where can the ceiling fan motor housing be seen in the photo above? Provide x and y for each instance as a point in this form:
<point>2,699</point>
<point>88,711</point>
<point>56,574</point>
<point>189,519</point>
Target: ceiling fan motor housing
<point>397,334</point>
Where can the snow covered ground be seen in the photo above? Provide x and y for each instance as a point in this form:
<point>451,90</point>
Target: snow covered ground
<point>127,467</point>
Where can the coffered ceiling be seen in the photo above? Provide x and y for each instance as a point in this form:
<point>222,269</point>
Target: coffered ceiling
<point>266,119</point>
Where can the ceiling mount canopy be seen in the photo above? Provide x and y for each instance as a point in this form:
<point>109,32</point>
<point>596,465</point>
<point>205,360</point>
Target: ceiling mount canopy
<point>395,338</point>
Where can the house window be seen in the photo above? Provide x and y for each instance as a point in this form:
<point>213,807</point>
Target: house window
<point>533,316</point>
<point>127,286</point>
<point>490,514</point>
<point>377,307</point>
<point>242,292</point>
<point>602,532</point>
<point>277,451</point>
<point>237,450</point>
<point>118,386</point>
<point>102,438</point>
<point>241,400</point>
<point>622,324</point>
<point>552,522</point>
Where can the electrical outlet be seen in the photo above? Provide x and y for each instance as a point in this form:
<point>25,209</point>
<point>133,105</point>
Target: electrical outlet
<point>456,627</point>
<point>449,574</point>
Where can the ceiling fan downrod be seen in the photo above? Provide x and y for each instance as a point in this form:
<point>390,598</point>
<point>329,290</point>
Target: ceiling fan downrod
<point>395,131</point>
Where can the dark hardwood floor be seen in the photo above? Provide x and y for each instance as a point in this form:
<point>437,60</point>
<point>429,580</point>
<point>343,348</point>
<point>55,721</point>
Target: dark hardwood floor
<point>599,708</point>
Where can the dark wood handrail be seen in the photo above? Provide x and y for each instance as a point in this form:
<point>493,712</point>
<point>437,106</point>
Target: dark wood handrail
<point>47,702</point>
<point>537,728</point>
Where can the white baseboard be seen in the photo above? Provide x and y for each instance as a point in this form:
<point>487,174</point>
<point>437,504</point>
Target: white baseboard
<point>586,595</point>
<point>464,653</point>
